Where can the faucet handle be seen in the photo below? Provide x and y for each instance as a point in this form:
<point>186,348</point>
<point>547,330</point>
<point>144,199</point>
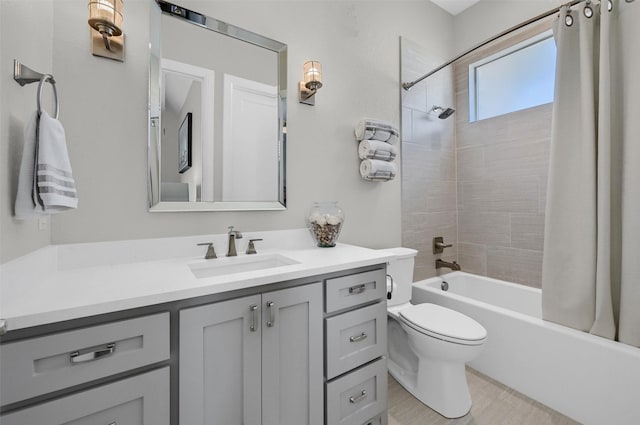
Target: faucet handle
<point>236,233</point>
<point>211,252</point>
<point>439,245</point>
<point>251,249</point>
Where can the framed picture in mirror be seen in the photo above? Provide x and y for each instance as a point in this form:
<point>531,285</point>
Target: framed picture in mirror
<point>184,144</point>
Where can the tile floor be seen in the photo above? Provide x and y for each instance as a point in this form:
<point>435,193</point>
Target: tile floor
<point>493,404</point>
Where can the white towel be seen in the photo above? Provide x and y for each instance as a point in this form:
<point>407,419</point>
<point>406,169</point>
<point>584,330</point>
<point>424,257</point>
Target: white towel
<point>56,187</point>
<point>375,149</point>
<point>369,129</point>
<point>25,206</point>
<point>376,170</point>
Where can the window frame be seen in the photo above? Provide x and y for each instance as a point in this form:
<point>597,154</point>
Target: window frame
<point>473,82</point>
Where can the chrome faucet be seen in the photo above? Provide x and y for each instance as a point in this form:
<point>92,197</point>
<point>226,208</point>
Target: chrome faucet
<point>233,235</point>
<point>441,263</point>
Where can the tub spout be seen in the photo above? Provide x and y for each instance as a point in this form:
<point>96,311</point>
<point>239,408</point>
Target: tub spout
<point>441,263</point>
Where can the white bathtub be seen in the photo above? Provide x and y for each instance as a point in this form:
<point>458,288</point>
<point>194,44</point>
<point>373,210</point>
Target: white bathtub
<point>590,379</point>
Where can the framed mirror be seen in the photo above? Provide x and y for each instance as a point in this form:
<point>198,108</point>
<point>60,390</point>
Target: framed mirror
<point>217,115</point>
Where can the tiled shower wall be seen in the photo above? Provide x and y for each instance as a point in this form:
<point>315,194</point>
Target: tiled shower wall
<point>428,161</point>
<point>502,181</point>
<point>492,209</point>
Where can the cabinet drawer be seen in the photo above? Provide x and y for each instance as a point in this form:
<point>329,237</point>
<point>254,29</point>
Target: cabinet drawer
<point>358,396</point>
<point>40,365</point>
<point>378,420</point>
<point>349,291</point>
<point>355,338</point>
<point>140,400</point>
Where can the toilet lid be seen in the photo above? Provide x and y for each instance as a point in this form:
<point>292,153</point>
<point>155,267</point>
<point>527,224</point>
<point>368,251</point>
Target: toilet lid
<point>437,320</point>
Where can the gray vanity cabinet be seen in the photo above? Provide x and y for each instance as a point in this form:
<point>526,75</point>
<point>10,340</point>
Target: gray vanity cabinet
<point>140,400</point>
<point>356,343</point>
<point>112,373</point>
<point>256,360</point>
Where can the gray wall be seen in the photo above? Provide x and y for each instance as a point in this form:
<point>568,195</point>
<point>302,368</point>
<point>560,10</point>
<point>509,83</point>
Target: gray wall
<point>104,110</point>
<point>34,48</point>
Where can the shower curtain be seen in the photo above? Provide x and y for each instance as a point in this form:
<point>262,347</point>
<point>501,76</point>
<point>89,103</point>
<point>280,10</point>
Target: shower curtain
<point>591,261</point>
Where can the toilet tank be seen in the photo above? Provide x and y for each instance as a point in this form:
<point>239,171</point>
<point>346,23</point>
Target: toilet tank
<point>400,268</point>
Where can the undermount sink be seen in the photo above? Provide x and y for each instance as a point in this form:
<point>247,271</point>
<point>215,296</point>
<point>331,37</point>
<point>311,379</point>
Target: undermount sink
<point>244,263</point>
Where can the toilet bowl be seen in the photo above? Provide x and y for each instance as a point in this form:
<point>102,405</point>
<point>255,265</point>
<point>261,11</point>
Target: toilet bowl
<point>429,344</point>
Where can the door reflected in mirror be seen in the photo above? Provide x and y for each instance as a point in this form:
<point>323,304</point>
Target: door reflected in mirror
<point>217,115</point>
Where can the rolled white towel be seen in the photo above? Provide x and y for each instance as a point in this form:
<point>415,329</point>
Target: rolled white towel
<point>369,129</point>
<point>374,169</point>
<point>375,149</point>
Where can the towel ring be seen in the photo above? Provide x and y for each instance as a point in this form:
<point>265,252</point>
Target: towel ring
<point>49,78</point>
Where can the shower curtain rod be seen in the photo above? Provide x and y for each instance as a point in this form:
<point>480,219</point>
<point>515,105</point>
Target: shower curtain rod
<point>407,86</point>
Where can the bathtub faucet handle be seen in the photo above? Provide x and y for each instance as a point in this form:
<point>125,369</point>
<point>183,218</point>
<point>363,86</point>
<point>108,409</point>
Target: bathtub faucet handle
<point>439,245</point>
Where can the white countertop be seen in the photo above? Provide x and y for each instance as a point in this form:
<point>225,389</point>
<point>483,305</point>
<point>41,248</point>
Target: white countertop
<point>63,282</point>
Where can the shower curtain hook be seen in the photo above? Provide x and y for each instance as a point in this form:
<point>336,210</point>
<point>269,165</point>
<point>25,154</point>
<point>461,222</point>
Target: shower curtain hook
<point>588,11</point>
<point>568,19</point>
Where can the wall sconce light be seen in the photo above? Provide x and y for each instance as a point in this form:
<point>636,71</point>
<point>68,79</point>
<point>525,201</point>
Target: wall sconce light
<point>105,20</point>
<point>312,81</point>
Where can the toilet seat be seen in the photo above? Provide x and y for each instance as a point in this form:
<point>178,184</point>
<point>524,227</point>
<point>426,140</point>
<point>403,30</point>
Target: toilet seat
<point>443,323</point>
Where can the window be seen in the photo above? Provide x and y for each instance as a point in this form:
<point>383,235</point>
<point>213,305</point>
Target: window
<point>520,77</point>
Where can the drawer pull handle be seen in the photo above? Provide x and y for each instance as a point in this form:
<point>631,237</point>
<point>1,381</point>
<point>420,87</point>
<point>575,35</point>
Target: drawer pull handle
<point>357,338</point>
<point>357,289</point>
<point>362,396</point>
<point>254,317</point>
<point>272,319</point>
<point>76,357</point>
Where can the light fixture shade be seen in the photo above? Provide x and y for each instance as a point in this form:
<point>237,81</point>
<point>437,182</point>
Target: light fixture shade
<point>105,16</point>
<point>312,74</point>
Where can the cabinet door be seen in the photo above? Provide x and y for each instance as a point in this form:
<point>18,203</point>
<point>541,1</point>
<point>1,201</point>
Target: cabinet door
<point>141,400</point>
<point>220,363</point>
<point>292,350</point>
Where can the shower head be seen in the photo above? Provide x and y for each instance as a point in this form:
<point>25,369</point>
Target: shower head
<point>443,113</point>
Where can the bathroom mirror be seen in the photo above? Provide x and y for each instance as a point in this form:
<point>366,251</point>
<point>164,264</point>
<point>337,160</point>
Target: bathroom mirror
<point>217,115</point>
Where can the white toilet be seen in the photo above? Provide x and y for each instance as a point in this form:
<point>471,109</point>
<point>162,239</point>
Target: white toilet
<point>429,344</point>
